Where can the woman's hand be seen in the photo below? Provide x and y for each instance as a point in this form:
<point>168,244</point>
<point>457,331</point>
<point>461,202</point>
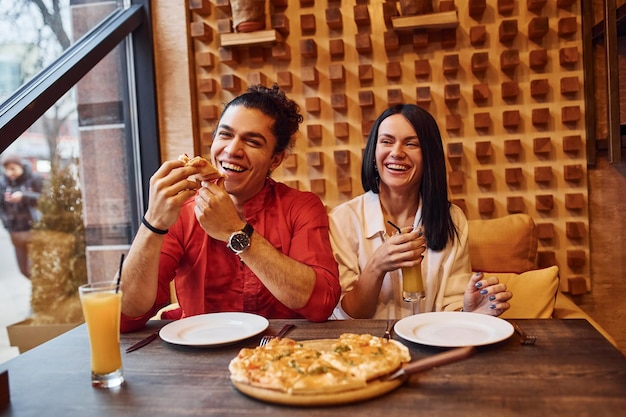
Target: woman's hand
<point>403,250</point>
<point>486,295</point>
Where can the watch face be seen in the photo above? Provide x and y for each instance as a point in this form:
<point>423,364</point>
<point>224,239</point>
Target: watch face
<point>239,241</point>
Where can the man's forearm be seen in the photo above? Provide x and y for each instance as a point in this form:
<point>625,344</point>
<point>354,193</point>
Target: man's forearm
<point>290,281</point>
<point>140,273</point>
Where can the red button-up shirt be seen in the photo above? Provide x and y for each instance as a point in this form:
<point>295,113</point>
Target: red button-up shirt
<point>209,277</point>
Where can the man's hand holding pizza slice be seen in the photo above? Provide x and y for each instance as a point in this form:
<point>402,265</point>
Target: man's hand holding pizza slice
<point>173,184</point>
<point>207,172</point>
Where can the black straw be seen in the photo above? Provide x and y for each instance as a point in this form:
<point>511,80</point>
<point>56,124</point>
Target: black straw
<point>397,228</point>
<point>119,276</point>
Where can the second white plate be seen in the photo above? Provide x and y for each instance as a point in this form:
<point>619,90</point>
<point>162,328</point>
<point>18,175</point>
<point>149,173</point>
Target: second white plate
<point>453,329</point>
<point>213,329</point>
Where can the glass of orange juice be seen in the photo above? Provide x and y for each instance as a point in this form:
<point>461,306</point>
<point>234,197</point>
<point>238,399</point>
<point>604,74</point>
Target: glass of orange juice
<point>102,303</point>
<point>413,288</point>
<point>412,284</point>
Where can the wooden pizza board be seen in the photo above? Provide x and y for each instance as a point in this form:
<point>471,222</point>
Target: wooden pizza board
<point>373,389</point>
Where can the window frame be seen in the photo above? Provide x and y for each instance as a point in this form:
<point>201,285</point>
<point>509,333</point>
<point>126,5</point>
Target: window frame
<point>132,26</point>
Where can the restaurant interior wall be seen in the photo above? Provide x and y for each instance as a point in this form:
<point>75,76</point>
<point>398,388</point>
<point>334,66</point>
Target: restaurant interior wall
<point>606,180</point>
<point>181,131</point>
<point>504,82</point>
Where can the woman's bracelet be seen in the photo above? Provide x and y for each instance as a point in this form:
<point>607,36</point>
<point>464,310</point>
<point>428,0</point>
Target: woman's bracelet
<point>152,228</point>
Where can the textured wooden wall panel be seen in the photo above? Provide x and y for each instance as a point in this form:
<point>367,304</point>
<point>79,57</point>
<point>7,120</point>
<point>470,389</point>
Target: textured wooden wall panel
<point>505,86</point>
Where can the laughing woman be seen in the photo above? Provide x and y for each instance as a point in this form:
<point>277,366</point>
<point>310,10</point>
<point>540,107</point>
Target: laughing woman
<point>404,178</point>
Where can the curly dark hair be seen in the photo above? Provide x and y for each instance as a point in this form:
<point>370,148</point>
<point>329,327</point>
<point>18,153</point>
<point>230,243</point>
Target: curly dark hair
<point>274,103</point>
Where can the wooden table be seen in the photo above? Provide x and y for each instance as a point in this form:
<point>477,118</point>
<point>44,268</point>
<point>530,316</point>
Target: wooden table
<point>571,371</point>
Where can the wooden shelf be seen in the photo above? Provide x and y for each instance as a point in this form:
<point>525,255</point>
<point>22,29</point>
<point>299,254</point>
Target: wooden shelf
<point>443,20</point>
<point>250,38</point>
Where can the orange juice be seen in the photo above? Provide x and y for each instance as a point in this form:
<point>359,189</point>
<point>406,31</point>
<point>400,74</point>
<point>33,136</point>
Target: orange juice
<point>102,314</point>
<point>412,279</point>
<point>413,287</point>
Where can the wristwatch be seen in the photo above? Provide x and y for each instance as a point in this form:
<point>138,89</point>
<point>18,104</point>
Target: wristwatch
<point>240,240</point>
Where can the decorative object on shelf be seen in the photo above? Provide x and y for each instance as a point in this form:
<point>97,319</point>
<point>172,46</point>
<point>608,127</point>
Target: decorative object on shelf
<point>415,7</point>
<point>248,15</point>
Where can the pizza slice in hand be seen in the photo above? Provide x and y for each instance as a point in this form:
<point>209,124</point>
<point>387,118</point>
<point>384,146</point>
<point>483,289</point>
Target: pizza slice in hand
<point>207,171</point>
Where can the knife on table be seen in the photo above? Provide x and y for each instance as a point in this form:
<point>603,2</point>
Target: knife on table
<point>443,358</point>
<point>143,342</point>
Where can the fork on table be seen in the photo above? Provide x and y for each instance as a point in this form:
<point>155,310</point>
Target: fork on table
<point>388,329</point>
<point>524,339</point>
<point>265,339</point>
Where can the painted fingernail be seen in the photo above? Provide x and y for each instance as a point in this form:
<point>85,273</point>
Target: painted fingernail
<point>478,284</point>
<point>492,306</point>
<point>492,297</point>
<point>483,292</point>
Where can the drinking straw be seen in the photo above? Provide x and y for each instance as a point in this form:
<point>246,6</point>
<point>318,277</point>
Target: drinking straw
<point>400,231</point>
<point>119,276</point>
<point>397,228</point>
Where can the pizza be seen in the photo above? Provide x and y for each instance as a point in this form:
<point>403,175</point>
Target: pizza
<point>318,367</point>
<point>207,170</point>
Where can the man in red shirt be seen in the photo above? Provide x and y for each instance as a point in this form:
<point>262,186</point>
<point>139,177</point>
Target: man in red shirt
<point>239,243</point>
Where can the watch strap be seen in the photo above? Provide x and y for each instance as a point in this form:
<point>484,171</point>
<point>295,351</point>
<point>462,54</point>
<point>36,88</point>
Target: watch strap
<point>248,229</point>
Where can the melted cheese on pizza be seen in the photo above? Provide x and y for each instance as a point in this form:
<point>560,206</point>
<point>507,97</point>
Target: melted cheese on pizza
<point>344,364</point>
<point>207,170</point>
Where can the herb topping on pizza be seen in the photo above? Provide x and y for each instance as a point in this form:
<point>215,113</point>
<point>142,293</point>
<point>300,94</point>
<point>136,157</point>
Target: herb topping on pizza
<point>317,367</point>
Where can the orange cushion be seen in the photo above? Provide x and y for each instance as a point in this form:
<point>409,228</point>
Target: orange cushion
<point>504,244</point>
<point>534,293</point>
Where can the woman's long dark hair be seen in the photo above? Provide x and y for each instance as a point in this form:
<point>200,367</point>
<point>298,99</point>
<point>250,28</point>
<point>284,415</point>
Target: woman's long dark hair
<point>272,102</point>
<point>438,225</point>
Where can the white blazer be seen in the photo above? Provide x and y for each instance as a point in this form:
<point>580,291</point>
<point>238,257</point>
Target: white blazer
<point>357,229</point>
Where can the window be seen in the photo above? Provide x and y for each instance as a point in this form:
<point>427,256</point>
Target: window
<point>87,105</point>
<point>10,74</point>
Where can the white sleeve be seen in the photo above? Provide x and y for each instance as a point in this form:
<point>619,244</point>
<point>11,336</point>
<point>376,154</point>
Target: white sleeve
<point>344,241</point>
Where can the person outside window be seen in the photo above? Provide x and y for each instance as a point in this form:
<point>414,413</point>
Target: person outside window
<point>20,188</point>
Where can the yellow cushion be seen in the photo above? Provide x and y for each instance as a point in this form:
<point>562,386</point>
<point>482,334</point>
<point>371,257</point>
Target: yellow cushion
<point>534,293</point>
<point>503,244</point>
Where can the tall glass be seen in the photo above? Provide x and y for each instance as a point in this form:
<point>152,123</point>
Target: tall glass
<point>412,282</point>
<point>413,288</point>
<point>102,304</point>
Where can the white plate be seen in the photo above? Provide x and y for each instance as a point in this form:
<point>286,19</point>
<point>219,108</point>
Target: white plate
<point>213,329</point>
<point>453,329</point>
